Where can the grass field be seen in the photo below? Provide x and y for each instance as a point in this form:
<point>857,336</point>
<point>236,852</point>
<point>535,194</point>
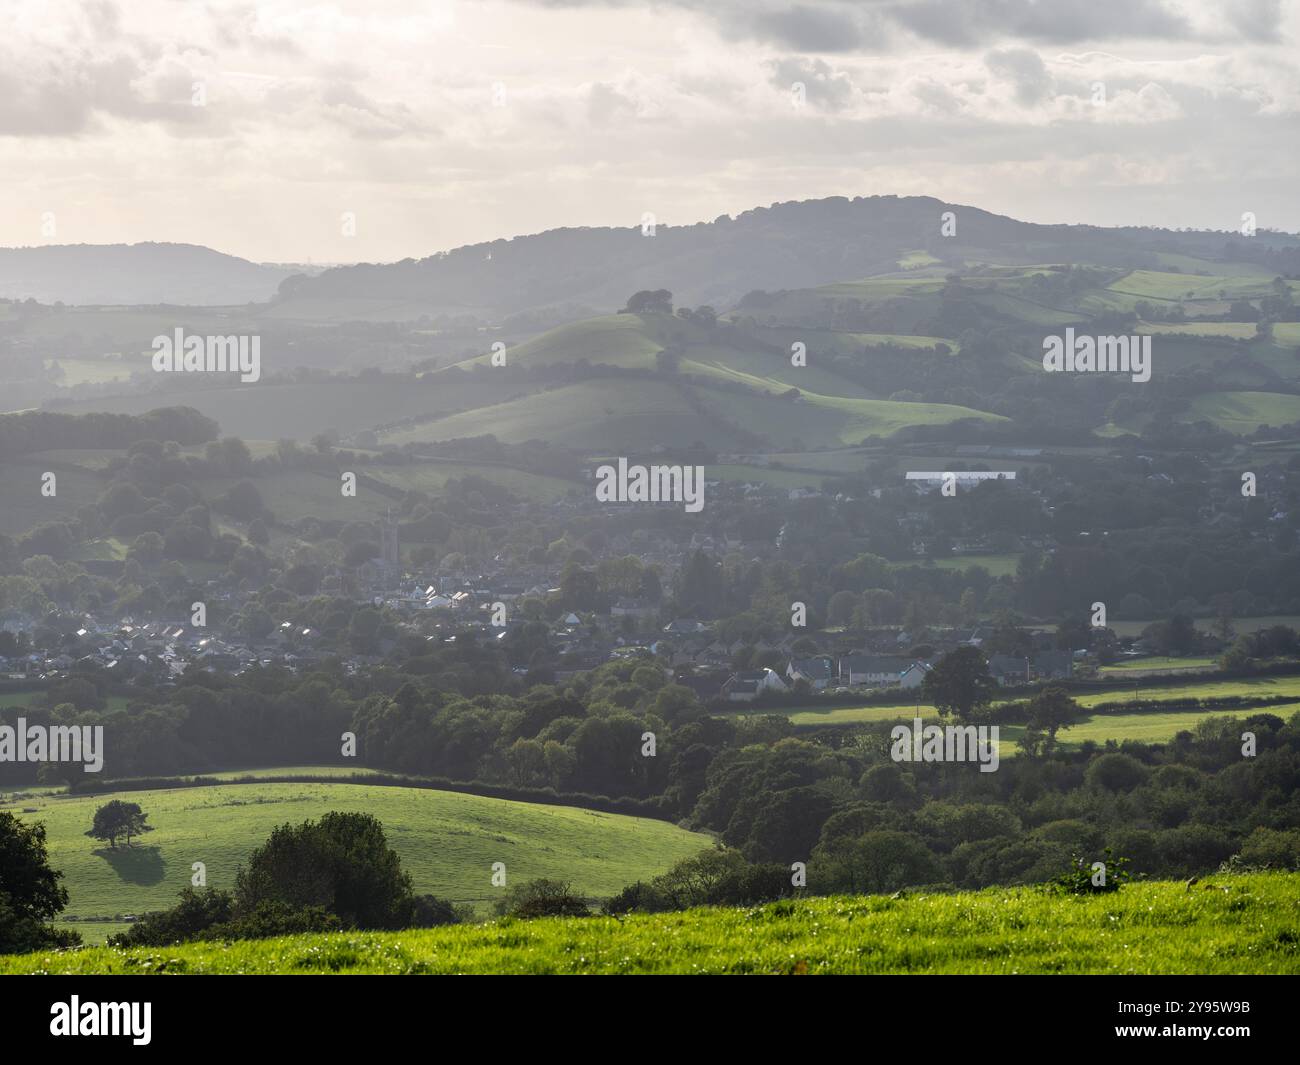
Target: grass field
<point>264,412</point>
<point>997,565</point>
<point>1162,664</point>
<point>1240,625</point>
<point>1244,412</point>
<point>1158,285</point>
<point>447,841</point>
<point>1226,924</point>
<point>1116,725</point>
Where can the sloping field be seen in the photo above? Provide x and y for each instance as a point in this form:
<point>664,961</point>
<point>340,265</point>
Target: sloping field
<point>1244,412</point>
<point>447,841</point>
<point>265,410</point>
<point>1157,285</point>
<point>602,413</point>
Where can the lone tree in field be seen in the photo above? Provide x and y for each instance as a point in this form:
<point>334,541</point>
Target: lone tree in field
<point>118,818</point>
<point>1049,711</point>
<point>960,684</point>
<point>658,301</point>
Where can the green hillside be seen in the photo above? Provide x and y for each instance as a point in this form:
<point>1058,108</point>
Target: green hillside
<point>607,415</point>
<point>447,841</point>
<point>1244,412</point>
<point>1225,924</point>
<point>596,414</point>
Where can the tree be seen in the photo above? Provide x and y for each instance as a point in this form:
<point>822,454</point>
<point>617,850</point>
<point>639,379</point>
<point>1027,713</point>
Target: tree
<point>30,892</point>
<point>877,862</point>
<point>659,301</point>
<point>118,818</point>
<point>960,684</point>
<point>341,864</point>
<point>1050,711</point>
<point>243,501</point>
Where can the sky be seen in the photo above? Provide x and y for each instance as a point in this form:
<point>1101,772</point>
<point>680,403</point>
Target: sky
<point>379,130</point>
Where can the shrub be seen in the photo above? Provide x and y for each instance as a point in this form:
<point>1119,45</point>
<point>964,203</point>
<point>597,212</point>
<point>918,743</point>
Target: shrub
<point>1083,879</point>
<point>543,898</point>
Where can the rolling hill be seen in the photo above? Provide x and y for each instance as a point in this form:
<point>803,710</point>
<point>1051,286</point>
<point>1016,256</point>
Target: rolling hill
<point>797,245</point>
<point>447,841</point>
<point>135,274</point>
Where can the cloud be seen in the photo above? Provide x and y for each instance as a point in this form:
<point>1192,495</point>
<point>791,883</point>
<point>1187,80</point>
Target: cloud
<point>1256,20</point>
<point>616,107</point>
<point>1026,72</point>
<point>824,87</point>
<point>972,22</point>
<point>840,26</point>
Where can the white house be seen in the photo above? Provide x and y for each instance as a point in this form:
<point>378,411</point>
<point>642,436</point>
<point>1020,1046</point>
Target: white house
<point>745,687</point>
<point>914,675</point>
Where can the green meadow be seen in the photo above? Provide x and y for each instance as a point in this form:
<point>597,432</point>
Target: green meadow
<point>1223,925</point>
<point>1163,664</point>
<point>1148,727</point>
<point>447,842</point>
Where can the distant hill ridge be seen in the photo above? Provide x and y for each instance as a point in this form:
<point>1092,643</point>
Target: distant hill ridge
<point>789,245</point>
<point>145,273</point>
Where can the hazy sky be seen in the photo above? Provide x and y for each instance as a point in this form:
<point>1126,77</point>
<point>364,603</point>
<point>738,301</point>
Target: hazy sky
<point>442,123</point>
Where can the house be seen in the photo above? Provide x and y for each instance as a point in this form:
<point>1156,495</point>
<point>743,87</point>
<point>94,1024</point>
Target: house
<point>633,608</point>
<point>745,687</point>
<point>818,671</point>
<point>872,669</point>
<point>1007,670</point>
<point>706,686</point>
<point>685,627</point>
<point>1052,665</point>
<point>914,675</point>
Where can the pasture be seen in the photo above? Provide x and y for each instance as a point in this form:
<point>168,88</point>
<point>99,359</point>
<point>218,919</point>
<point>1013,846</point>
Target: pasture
<point>447,841</point>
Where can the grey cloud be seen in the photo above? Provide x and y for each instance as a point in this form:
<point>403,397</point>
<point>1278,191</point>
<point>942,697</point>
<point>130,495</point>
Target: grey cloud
<point>605,104</point>
<point>969,22</point>
<point>826,88</point>
<point>801,27</point>
<point>854,25</point>
<point>1025,70</point>
<point>65,101</point>
<point>1256,20</point>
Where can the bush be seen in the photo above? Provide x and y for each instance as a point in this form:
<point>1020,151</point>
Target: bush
<point>1268,848</point>
<point>429,911</point>
<point>543,898</point>
<point>211,914</point>
<point>1193,849</point>
<point>1082,879</point>
<point>639,897</point>
<point>1116,772</point>
<point>195,913</point>
<point>876,863</point>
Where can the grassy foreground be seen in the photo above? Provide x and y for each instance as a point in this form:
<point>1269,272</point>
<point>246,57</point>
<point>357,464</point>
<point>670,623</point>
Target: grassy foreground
<point>1226,924</point>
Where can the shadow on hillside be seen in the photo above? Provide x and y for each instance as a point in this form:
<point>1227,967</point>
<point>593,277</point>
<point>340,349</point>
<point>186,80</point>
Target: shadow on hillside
<point>136,865</point>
